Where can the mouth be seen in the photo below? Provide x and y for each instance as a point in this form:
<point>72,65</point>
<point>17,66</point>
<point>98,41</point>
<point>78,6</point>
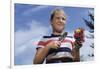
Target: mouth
<point>60,24</point>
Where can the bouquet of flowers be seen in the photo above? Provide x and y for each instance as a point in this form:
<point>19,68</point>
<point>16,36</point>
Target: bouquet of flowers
<point>79,37</point>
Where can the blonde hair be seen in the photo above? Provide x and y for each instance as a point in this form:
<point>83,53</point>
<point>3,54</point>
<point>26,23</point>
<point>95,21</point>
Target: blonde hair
<point>55,11</point>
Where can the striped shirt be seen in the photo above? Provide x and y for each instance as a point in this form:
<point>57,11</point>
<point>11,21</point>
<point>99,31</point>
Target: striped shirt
<point>64,50</point>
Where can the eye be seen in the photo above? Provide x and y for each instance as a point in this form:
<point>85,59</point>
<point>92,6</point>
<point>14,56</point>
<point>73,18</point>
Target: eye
<point>57,17</point>
<point>63,18</point>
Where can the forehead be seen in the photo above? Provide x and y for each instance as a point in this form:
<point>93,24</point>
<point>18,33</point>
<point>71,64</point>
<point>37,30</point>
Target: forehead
<point>60,13</point>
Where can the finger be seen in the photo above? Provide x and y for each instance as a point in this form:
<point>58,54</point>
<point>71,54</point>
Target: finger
<point>58,43</point>
<point>55,47</point>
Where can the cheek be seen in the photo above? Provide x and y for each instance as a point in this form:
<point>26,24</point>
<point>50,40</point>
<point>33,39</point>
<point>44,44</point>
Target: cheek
<point>54,23</point>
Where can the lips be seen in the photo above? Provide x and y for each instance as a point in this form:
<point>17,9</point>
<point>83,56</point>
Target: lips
<point>60,24</point>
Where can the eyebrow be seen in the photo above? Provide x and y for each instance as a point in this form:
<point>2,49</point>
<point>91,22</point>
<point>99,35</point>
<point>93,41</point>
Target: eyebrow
<point>61,17</point>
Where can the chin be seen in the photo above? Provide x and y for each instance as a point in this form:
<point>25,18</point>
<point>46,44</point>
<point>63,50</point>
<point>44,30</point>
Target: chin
<point>60,30</point>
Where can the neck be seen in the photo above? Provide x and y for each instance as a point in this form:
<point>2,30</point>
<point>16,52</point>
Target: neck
<point>57,33</point>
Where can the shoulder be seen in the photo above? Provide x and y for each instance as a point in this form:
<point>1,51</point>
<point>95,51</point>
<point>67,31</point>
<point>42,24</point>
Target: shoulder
<point>44,40</point>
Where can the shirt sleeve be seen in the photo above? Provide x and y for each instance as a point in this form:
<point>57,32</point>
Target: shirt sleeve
<point>41,44</point>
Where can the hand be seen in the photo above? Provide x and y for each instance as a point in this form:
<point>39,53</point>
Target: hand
<point>79,37</point>
<point>78,44</point>
<point>54,44</point>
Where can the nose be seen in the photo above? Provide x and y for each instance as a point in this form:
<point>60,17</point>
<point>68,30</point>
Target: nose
<point>61,19</point>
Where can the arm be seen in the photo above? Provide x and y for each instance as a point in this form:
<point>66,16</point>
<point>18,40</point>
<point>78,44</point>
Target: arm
<point>76,55</point>
<point>76,51</point>
<point>40,55</point>
<point>42,52</point>
<point>79,39</point>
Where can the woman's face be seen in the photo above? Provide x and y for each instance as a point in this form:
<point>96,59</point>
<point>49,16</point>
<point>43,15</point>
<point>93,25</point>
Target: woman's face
<point>58,22</point>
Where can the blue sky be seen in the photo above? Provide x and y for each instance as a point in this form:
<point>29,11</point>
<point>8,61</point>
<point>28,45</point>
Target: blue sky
<point>26,12</point>
<point>32,22</point>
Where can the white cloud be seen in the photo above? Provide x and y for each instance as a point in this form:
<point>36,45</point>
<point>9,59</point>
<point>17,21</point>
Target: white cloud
<point>26,41</point>
<point>33,10</point>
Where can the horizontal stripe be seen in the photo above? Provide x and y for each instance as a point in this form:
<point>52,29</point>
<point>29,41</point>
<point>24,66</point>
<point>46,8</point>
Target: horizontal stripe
<point>52,35</point>
<point>67,42</point>
<point>66,45</point>
<point>55,38</point>
<point>63,49</point>
<point>59,56</point>
<point>47,39</point>
<point>46,42</point>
